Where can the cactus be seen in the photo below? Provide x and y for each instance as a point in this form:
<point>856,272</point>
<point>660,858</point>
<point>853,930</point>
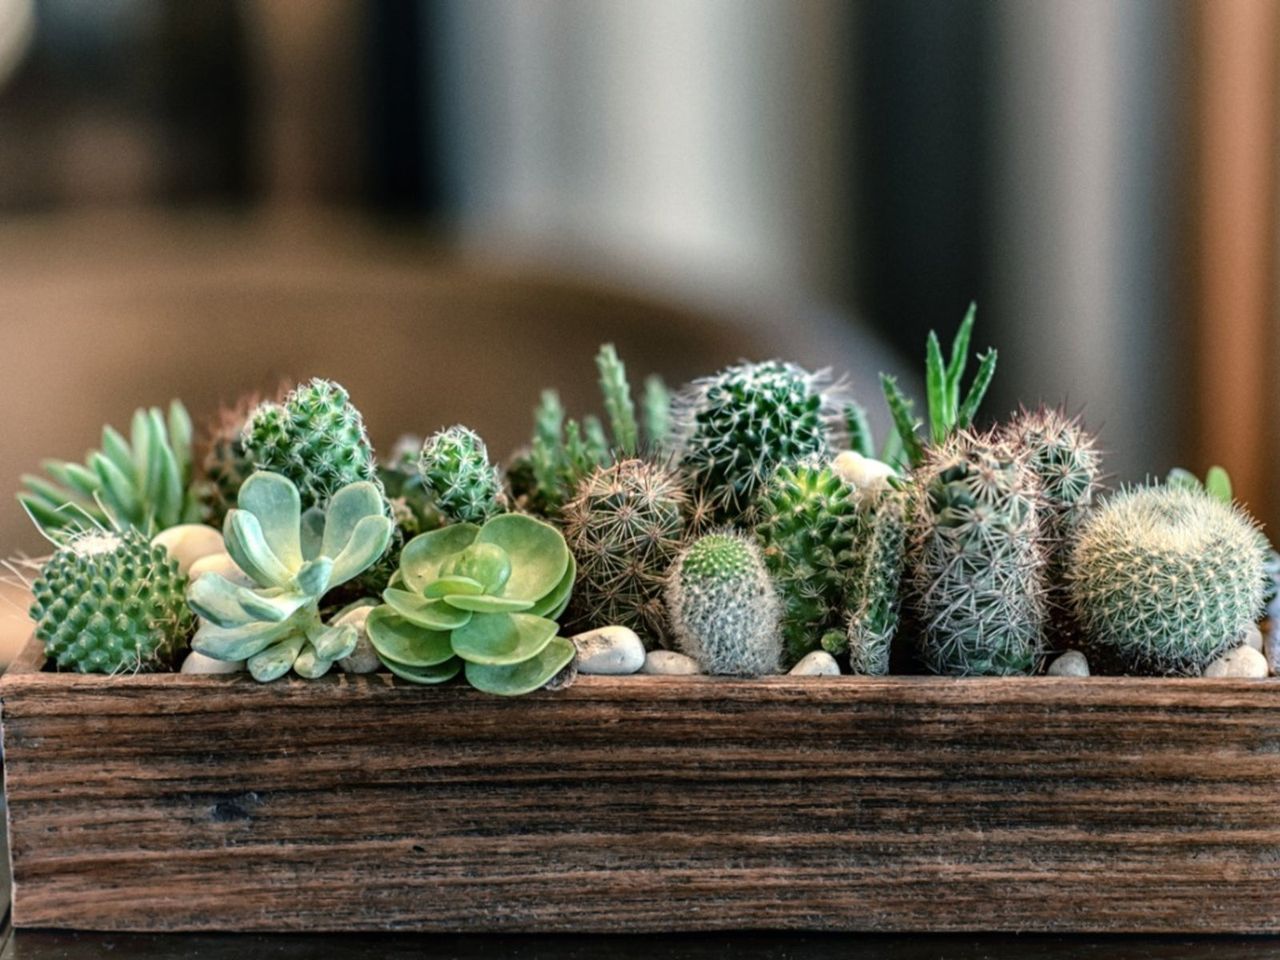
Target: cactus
<point>723,608</point>
<point>807,529</point>
<point>875,584</point>
<point>657,413</point>
<point>947,412</point>
<point>455,469</point>
<point>226,464</point>
<point>738,426</point>
<point>110,602</point>
<point>484,599</point>
<point>1165,579</point>
<point>315,438</point>
<point>857,429</point>
<point>625,528</point>
<point>294,558</point>
<point>974,559</point>
<point>143,483</point>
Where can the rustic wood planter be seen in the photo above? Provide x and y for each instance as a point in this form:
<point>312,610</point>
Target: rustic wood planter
<point>169,802</point>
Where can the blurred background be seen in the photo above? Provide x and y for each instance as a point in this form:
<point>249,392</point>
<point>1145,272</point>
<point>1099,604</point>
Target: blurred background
<point>446,204</point>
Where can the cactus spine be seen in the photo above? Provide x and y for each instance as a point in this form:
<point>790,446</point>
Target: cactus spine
<point>455,468</point>
<point>875,581</point>
<point>723,607</point>
<point>975,561</point>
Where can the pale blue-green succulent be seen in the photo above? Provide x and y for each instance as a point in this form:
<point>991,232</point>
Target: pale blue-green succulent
<point>294,559</point>
<point>483,599</point>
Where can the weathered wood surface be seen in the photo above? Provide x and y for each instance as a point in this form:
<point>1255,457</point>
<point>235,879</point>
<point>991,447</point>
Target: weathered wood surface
<point>643,803</point>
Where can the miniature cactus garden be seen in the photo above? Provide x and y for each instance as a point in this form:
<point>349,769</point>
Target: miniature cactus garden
<point>745,525</point>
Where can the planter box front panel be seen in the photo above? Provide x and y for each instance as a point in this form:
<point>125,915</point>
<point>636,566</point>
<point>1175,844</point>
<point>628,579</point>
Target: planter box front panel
<point>169,802</point>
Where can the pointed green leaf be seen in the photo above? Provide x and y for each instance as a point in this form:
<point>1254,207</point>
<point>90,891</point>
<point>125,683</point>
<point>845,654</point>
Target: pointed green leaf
<point>116,448</point>
<point>180,437</point>
<point>49,493</point>
<point>432,614</point>
<point>978,389</point>
<point>166,504</point>
<point>539,556</point>
<point>903,420</point>
<point>960,355</point>
<point>485,604</point>
<point>141,442</point>
<point>366,544</point>
<point>276,504</point>
<point>117,490</point>
<point>395,638</point>
<point>347,508</point>
<point>75,478</point>
<point>46,518</point>
<point>248,548</point>
<point>502,638</point>
<point>237,643</point>
<point>436,674</point>
<point>424,555</point>
<point>524,677</point>
<point>940,413</point>
<point>1217,483</point>
<point>275,661</point>
<point>453,585</point>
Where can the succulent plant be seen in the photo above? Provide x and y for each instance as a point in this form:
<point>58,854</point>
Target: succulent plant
<point>975,561</point>
<point>226,464</point>
<point>111,602</point>
<point>723,607</point>
<point>857,430</point>
<point>484,599</point>
<point>807,528</point>
<point>456,472</point>
<point>1165,579</point>
<point>947,412</point>
<point>295,558</point>
<point>625,527</point>
<point>737,427</point>
<point>875,584</point>
<point>657,413</point>
<point>315,438</point>
<point>143,483</point>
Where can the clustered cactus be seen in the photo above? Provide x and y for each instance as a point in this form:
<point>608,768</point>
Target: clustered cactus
<point>457,473</point>
<point>874,598</point>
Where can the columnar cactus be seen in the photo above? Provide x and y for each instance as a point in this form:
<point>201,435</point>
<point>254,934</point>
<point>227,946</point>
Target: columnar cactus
<point>455,468</point>
<point>723,608</point>
<point>875,582</point>
<point>737,427</point>
<point>625,528</point>
<point>110,602</point>
<point>808,522</point>
<point>975,560</point>
<point>1166,579</point>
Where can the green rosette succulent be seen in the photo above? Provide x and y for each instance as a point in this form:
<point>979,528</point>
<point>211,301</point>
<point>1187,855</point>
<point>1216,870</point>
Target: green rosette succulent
<point>479,599</point>
<point>294,559</point>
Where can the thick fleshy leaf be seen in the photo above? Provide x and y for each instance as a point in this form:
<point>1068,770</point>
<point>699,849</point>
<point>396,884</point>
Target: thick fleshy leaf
<point>311,532</point>
<point>274,606</point>
<point>314,577</point>
<point>453,585</point>
<point>310,665</point>
<point>539,556</point>
<point>217,599</point>
<point>117,489</point>
<point>242,535</point>
<point>117,449</point>
<point>436,674</point>
<point>524,677</point>
<point>180,436</point>
<point>555,602</point>
<point>432,614</point>
<point>237,643</point>
<point>347,509</point>
<point>502,638</point>
<point>366,544</point>
<point>395,638</point>
<point>274,501</point>
<point>483,604</point>
<point>275,661</point>
<point>485,563</point>
<point>333,643</point>
<point>424,555</point>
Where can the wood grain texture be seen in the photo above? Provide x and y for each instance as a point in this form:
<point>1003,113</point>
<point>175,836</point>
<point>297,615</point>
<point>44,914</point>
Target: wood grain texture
<point>169,802</point>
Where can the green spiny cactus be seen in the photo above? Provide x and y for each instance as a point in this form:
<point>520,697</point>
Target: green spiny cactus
<point>808,522</point>
<point>1165,579</point>
<point>617,401</point>
<point>740,425</point>
<point>455,468</point>
<point>858,430</point>
<point>723,608</point>
<point>227,464</point>
<point>110,602</point>
<point>975,560</point>
<point>875,583</point>
<point>143,483</point>
<point>625,527</point>
<point>315,438</point>
<point>657,413</point>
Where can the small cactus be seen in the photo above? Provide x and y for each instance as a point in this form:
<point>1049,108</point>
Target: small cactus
<point>455,469</point>
<point>1165,579</point>
<point>227,464</point>
<point>723,607</point>
<point>975,561</point>
<point>875,583</point>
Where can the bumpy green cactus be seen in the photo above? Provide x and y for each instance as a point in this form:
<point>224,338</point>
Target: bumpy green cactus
<point>1165,579</point>
<point>975,559</point>
<point>455,469</point>
<point>110,602</point>
<point>740,425</point>
<point>723,607</point>
<point>875,583</point>
<point>143,483</point>
<point>315,438</point>
<point>808,522</point>
<point>625,528</point>
<point>295,558</point>
<point>484,598</point>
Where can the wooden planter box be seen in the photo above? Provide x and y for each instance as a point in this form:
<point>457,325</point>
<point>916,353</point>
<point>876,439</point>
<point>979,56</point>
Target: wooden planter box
<point>168,802</point>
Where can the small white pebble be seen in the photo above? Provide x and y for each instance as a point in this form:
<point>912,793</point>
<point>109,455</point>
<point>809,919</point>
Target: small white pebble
<point>221,564</point>
<point>610,651</point>
<point>819,663</point>
<point>1073,663</point>
<point>1244,662</point>
<point>189,542</point>
<point>1252,637</point>
<point>198,663</point>
<point>669,663</point>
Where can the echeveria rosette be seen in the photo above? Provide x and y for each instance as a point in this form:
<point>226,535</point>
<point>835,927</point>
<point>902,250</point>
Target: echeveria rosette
<point>294,559</point>
<point>483,599</point>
